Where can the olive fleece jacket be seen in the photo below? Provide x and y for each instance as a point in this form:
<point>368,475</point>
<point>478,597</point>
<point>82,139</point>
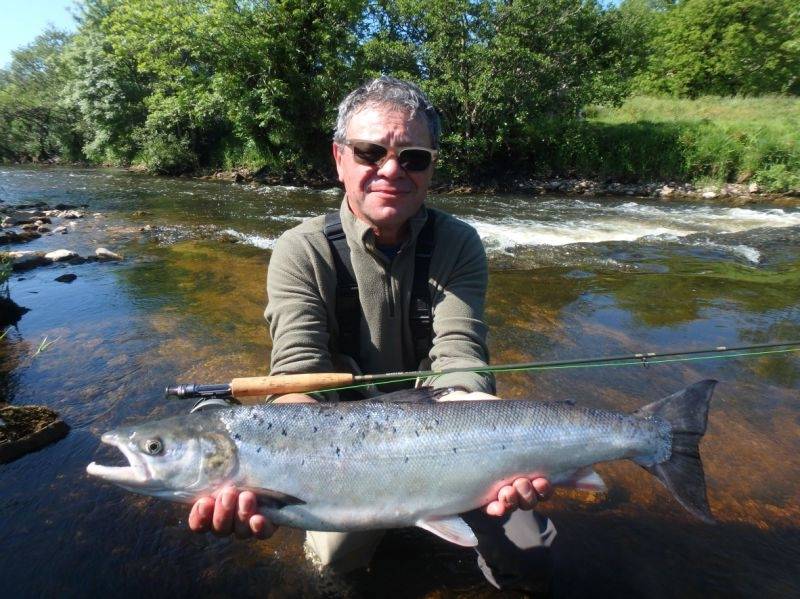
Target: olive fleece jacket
<point>301,287</point>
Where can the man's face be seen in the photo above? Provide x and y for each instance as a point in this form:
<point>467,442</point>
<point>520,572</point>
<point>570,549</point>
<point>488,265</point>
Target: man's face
<point>387,196</point>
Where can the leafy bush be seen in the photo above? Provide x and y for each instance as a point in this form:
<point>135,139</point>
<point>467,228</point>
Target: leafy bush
<point>168,154</point>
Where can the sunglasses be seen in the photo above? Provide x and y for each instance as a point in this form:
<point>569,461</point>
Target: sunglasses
<point>374,154</point>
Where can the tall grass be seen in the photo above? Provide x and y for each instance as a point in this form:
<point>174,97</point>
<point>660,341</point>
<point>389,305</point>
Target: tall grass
<point>707,139</point>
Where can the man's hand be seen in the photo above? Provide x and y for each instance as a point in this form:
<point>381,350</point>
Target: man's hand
<point>523,493</point>
<point>230,511</point>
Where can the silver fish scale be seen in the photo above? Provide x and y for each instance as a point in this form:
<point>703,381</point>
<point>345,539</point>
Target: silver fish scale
<point>365,464</point>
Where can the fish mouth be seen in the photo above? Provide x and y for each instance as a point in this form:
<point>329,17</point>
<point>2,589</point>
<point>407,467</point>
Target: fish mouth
<point>135,473</point>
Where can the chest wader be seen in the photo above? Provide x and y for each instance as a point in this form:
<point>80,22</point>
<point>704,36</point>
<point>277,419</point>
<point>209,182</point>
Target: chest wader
<point>348,305</point>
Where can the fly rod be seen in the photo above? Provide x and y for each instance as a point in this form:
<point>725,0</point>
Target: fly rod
<point>259,386</point>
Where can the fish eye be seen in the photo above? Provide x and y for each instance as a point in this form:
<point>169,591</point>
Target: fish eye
<point>153,446</point>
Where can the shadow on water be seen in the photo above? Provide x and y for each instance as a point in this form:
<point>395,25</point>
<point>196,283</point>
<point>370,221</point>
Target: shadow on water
<point>187,306</point>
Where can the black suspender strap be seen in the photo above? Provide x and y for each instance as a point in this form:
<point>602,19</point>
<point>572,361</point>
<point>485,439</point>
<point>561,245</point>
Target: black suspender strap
<point>348,307</point>
<point>420,316</point>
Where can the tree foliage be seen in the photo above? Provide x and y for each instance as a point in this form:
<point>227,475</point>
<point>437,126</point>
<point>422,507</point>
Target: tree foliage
<point>501,72</point>
<point>181,84</point>
<point>32,123</point>
<point>726,47</point>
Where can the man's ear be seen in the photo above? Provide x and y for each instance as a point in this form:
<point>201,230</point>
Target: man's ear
<point>338,156</point>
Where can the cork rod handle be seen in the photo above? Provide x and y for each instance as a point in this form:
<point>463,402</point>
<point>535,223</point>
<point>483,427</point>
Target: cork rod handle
<point>289,383</point>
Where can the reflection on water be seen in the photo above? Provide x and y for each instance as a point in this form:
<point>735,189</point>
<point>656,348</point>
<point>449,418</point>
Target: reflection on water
<point>569,278</point>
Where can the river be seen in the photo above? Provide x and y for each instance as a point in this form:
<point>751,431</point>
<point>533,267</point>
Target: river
<point>570,277</point>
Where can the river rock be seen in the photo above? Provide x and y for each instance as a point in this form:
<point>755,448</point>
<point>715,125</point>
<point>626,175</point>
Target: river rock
<point>60,255</point>
<point>17,219</point>
<point>62,229</point>
<point>64,207</point>
<point>21,237</point>
<point>709,195</point>
<point>105,254</point>
<point>69,214</point>
<point>666,191</point>
<point>37,206</point>
<point>753,188</point>
<point>42,229</point>
<point>26,260</point>
<point>66,278</point>
<point>10,311</point>
<point>26,429</point>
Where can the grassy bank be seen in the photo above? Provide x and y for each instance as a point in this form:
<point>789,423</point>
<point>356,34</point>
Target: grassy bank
<point>711,139</point>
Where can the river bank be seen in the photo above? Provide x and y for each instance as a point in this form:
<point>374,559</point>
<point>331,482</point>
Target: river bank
<point>738,194</point>
<point>734,193</point>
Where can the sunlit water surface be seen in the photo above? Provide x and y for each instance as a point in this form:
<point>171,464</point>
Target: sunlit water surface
<point>569,278</point>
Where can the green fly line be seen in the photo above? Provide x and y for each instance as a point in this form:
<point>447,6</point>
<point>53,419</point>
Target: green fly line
<point>639,360</point>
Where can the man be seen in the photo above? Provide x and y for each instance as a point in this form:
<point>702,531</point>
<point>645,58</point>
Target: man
<point>385,147</point>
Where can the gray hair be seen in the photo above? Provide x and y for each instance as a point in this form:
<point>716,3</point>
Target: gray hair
<point>386,90</point>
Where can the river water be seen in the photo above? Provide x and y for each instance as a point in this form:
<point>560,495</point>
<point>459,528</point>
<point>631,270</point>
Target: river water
<point>570,278</point>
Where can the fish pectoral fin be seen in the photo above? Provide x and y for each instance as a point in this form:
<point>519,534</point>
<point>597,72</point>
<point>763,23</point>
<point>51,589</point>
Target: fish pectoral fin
<point>273,498</point>
<point>450,528</point>
<point>585,479</point>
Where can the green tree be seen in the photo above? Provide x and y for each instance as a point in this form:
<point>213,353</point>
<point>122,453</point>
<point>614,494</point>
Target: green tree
<point>105,87</point>
<point>726,47</point>
<point>505,74</point>
<point>181,83</point>
<point>33,126</point>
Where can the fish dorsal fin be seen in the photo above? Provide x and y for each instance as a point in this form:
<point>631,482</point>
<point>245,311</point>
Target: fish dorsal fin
<point>585,479</point>
<point>273,498</point>
<point>450,528</point>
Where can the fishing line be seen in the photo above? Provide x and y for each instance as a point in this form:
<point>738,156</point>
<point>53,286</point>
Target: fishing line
<point>643,359</point>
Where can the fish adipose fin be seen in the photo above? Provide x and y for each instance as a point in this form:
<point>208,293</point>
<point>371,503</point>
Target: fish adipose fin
<point>450,528</point>
<point>687,413</point>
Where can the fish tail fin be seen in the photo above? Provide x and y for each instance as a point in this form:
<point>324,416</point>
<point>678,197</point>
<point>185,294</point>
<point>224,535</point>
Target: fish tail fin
<point>682,474</point>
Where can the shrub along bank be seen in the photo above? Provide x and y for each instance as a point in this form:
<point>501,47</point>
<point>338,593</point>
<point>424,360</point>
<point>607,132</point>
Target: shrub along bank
<point>707,140</point>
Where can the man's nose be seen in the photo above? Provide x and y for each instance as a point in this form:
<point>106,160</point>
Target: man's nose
<point>391,168</point>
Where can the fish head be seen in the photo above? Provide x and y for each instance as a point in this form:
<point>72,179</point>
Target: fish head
<point>173,459</point>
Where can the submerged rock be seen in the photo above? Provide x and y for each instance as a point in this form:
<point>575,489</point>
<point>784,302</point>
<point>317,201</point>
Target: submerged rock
<point>66,278</point>
<point>26,429</point>
<point>10,236</point>
<point>26,260</point>
<point>105,254</point>
<point>10,311</point>
<point>14,219</point>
